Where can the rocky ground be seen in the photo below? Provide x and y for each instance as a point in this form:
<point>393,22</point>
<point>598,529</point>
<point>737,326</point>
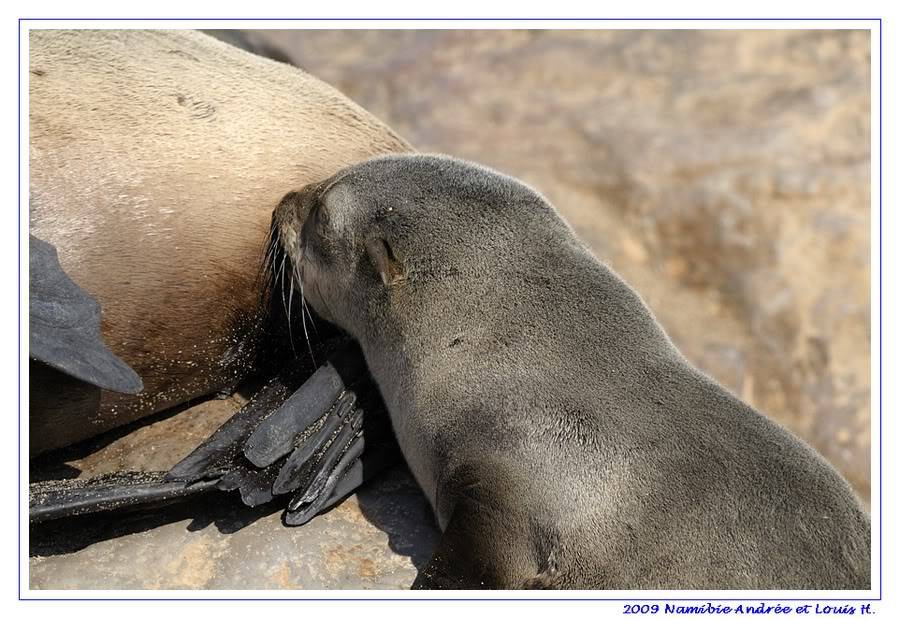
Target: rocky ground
<point>724,174</point>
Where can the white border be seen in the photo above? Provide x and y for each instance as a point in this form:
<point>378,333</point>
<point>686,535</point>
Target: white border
<point>457,24</point>
<point>774,596</point>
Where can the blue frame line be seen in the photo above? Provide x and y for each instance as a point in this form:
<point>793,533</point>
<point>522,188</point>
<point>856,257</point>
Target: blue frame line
<point>880,289</point>
<point>445,599</point>
<point>476,19</point>
<point>19,316</point>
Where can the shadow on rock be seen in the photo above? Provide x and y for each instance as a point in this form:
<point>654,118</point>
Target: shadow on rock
<point>393,502</point>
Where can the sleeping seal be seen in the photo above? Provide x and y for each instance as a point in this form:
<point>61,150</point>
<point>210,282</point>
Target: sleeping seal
<point>561,438</point>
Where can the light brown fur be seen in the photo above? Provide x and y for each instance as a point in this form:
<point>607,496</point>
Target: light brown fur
<point>156,160</point>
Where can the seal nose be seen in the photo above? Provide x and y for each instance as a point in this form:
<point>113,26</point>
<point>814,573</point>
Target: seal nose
<point>289,198</point>
<point>292,208</point>
<point>296,206</point>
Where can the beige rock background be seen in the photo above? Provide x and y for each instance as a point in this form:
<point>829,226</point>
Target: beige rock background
<point>724,174</point>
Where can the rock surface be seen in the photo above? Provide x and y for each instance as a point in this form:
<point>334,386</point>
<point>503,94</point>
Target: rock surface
<point>376,539</point>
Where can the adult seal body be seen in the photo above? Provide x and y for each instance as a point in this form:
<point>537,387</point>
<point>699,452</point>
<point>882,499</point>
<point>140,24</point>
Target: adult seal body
<point>560,437</point>
<point>156,159</point>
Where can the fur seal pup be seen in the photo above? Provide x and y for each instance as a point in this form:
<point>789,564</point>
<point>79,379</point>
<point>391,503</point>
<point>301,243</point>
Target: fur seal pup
<point>156,158</point>
<point>560,437</point>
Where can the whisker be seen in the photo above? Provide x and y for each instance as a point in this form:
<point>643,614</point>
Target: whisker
<point>266,276</point>
<point>280,273</point>
<point>285,306</point>
<point>305,305</point>
<point>270,249</point>
<point>303,320</point>
<point>309,313</point>
<point>290,316</point>
<point>279,279</point>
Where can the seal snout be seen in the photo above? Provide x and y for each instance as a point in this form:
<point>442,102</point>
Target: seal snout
<point>289,199</point>
<point>292,210</point>
<point>299,202</point>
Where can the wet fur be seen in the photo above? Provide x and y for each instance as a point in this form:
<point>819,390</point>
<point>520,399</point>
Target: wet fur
<point>561,438</point>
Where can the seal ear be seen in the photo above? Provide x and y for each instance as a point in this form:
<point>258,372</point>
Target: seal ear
<point>383,259</point>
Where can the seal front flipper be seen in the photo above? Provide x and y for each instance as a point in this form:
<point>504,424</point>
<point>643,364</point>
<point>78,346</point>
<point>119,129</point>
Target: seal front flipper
<point>222,452</point>
<point>487,543</point>
<point>459,561</point>
<point>64,324</point>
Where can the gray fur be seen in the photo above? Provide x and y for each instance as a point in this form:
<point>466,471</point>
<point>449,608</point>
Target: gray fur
<point>561,438</point>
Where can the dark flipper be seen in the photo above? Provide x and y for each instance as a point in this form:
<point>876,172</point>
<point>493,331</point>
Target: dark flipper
<point>317,440</point>
<point>359,463</point>
<point>65,326</point>
<point>49,500</point>
<point>301,439</point>
<point>220,453</point>
<point>291,475</point>
<point>275,436</point>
